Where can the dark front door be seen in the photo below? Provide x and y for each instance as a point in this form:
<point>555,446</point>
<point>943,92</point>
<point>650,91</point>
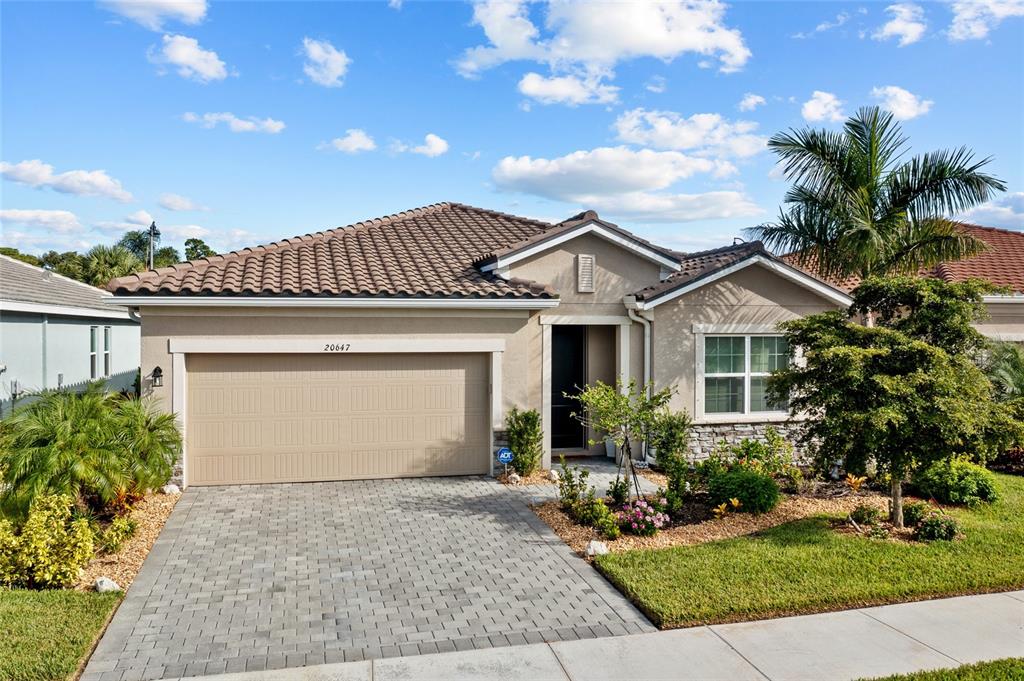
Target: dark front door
<point>568,375</point>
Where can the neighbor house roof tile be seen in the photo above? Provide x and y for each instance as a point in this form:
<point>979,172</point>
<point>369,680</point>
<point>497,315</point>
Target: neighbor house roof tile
<point>24,283</point>
<point>701,264</point>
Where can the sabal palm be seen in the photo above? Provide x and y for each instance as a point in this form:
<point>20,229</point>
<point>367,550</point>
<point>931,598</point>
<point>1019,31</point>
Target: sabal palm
<point>858,207</point>
<point>103,263</point>
<point>1006,370</point>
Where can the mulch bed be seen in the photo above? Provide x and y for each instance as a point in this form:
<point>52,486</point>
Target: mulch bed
<point>697,526</point>
<point>150,513</point>
<point>538,477</point>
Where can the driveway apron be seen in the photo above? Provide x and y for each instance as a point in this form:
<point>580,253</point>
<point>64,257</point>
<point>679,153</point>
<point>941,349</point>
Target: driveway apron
<point>260,577</point>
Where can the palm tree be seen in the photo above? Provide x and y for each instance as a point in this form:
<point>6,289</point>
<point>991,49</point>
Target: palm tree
<point>1005,369</point>
<point>859,208</point>
<point>103,263</point>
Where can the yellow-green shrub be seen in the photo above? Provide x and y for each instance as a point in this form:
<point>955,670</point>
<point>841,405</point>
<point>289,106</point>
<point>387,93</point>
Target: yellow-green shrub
<point>51,548</point>
<point>117,533</point>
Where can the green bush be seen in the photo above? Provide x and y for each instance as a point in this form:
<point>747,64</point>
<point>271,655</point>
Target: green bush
<point>96,447</point>
<point>121,529</point>
<point>525,439</point>
<point>865,515</point>
<point>956,481</point>
<point>937,526</point>
<point>50,549</point>
<point>604,520</point>
<point>572,487</point>
<point>670,433</point>
<point>618,492</point>
<point>757,492</point>
<point>914,512</point>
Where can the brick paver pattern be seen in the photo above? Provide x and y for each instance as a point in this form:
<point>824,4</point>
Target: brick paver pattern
<point>271,576</point>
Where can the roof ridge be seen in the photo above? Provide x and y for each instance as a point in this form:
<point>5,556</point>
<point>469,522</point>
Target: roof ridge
<point>754,245</point>
<point>94,289</point>
<point>498,213</point>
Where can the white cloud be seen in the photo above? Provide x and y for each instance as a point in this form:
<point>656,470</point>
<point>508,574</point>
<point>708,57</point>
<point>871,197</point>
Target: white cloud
<point>973,19</point>
<point>191,60</point>
<point>656,84</point>
<point>907,24</point>
<point>325,64</point>
<point>153,13</point>
<point>37,174</point>
<point>234,123</point>
<point>432,146</point>
<point>139,217</point>
<point>59,221</point>
<point>354,141</point>
<point>706,134</point>
<point>824,26</point>
<point>395,4</point>
<point>605,170</point>
<point>586,40</point>
<point>904,105</point>
<point>751,101</point>
<point>822,106</point>
<point>182,232</point>
<point>571,90</point>
<point>1006,211</point>
<point>647,207</point>
<point>179,202</point>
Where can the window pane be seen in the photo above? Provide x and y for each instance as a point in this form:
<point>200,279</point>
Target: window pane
<point>93,365</point>
<point>106,338</point>
<point>106,363</point>
<point>93,338</point>
<point>723,355</point>
<point>723,395</point>
<point>759,396</point>
<point>768,354</point>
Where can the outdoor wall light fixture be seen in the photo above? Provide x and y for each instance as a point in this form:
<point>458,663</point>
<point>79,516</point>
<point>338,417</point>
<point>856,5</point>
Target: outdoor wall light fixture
<point>158,377</point>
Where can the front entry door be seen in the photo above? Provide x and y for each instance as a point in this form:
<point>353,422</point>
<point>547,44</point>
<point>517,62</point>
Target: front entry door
<point>568,375</point>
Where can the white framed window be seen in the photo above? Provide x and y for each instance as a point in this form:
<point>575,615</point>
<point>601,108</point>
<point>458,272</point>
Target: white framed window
<point>107,350</point>
<point>735,370</point>
<point>94,346</point>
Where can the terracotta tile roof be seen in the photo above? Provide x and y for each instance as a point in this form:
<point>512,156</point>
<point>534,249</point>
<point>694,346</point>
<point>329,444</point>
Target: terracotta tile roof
<point>569,225</point>
<point>701,264</point>
<point>426,252</point>
<point>1002,264</point>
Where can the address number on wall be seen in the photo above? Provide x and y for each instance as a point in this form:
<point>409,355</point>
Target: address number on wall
<point>337,347</point>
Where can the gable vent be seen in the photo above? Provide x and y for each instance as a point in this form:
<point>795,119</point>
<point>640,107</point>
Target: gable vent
<point>585,273</point>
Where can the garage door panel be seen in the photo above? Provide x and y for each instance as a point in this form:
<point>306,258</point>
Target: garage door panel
<point>285,418</point>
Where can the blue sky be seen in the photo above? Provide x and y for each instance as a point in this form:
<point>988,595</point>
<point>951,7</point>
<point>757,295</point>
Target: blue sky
<point>247,122</point>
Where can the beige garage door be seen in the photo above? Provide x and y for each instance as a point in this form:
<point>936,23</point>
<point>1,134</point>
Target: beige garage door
<point>291,418</point>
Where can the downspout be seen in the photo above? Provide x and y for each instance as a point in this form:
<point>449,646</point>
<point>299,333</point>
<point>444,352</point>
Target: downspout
<point>133,314</point>
<point>631,310</point>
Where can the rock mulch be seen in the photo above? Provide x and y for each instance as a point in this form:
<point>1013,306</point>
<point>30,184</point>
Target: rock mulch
<point>538,477</point>
<point>151,513</point>
<point>733,525</point>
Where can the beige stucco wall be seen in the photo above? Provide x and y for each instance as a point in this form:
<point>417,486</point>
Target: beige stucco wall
<point>1006,321</point>
<point>751,296</point>
<point>520,361</point>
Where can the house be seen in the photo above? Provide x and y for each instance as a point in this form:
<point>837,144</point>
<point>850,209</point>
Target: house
<point>1002,264</point>
<point>394,347</point>
<point>56,332</point>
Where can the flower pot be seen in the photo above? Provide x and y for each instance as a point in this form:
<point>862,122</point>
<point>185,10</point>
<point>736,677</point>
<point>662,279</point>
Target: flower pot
<point>609,448</point>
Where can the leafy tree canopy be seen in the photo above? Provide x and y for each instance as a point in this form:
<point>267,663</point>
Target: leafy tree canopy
<point>18,255</point>
<point>196,249</point>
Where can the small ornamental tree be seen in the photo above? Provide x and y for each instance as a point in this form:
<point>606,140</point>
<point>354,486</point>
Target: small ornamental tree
<point>626,413</point>
<point>905,393</point>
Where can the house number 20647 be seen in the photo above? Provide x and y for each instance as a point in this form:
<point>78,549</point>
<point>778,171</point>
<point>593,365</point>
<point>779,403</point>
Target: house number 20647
<point>337,347</point>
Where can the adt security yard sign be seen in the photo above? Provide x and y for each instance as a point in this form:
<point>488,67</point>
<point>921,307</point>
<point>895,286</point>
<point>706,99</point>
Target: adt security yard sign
<point>505,455</point>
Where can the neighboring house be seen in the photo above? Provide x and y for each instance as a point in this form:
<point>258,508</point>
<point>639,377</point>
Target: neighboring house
<point>1001,264</point>
<point>394,347</point>
<point>56,332</point>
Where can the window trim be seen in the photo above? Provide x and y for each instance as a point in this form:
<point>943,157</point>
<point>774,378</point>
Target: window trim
<point>700,375</point>
<point>108,356</point>
<point>94,346</point>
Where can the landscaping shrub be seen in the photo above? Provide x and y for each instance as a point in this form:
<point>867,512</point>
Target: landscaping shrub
<point>773,456</point>
<point>757,492</point>
<point>50,549</point>
<point>605,521</point>
<point>572,487</point>
<point>670,434</point>
<point>618,492</point>
<point>96,447</point>
<point>120,530</point>
<point>525,439</point>
<point>937,526</point>
<point>956,481</point>
<point>643,517</point>
<point>914,512</point>
<point>865,515</point>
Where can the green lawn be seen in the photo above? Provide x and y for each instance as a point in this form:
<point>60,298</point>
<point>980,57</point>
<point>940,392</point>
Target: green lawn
<point>1001,670</point>
<point>804,566</point>
<point>47,633</point>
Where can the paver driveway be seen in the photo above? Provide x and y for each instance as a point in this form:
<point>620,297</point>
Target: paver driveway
<point>271,576</point>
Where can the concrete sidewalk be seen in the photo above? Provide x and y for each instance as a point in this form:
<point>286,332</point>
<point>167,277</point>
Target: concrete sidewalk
<point>850,644</point>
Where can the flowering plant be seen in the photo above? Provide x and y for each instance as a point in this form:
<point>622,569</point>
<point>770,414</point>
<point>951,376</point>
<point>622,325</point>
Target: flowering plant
<point>644,517</point>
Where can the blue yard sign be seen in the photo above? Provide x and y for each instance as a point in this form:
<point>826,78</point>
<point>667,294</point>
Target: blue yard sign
<point>505,455</point>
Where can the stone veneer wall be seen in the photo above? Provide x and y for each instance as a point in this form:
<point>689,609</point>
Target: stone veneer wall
<point>704,438</point>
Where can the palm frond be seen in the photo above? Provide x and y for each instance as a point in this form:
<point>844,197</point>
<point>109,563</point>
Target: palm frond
<point>945,182</point>
<point>819,159</point>
<point>878,138</point>
<point>926,243</point>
